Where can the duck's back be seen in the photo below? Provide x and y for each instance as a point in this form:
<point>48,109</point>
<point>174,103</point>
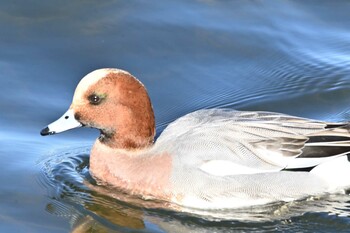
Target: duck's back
<point>256,140</point>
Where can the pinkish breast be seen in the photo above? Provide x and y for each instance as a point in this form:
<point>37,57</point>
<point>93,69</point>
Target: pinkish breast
<point>139,174</point>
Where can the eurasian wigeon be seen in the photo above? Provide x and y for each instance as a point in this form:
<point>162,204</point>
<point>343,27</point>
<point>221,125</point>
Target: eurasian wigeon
<point>208,159</point>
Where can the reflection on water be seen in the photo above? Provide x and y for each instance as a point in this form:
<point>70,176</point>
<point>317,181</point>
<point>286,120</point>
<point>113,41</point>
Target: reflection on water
<point>92,208</point>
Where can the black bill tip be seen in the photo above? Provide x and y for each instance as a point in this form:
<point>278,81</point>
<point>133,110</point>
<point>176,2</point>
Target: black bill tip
<point>46,132</point>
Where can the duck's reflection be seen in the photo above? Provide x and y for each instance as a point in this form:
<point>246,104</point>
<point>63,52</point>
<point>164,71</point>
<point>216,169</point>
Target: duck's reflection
<point>105,214</point>
<point>98,214</point>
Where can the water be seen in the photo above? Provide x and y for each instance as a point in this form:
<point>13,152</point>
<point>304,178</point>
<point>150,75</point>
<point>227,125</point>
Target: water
<point>285,56</point>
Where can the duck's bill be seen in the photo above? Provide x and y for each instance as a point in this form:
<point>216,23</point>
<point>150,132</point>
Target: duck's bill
<point>64,123</point>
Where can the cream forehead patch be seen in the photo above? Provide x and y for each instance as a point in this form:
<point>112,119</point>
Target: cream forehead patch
<point>92,78</point>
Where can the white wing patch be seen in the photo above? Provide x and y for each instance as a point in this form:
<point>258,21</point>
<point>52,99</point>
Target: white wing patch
<point>336,172</point>
<point>228,168</point>
<point>274,157</point>
<point>310,162</point>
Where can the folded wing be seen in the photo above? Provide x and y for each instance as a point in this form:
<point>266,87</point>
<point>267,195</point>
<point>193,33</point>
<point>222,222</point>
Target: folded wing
<point>226,142</point>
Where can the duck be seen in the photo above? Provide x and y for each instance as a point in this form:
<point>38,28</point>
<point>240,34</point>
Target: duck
<point>208,159</point>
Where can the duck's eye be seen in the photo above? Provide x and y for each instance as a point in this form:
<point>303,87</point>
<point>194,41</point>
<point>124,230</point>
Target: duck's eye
<point>94,99</point>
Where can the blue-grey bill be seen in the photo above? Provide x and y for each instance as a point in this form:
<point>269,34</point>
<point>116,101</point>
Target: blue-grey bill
<point>64,123</point>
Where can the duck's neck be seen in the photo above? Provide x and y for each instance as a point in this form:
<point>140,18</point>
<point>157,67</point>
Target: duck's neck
<point>132,130</point>
<point>125,142</point>
<point>130,141</point>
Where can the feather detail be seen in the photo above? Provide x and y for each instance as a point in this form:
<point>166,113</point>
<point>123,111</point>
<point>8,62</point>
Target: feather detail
<point>253,142</point>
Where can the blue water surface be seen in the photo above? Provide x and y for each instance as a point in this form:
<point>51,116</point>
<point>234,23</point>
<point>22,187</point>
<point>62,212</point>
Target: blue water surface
<point>285,56</point>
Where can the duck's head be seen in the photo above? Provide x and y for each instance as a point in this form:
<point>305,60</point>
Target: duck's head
<point>114,102</point>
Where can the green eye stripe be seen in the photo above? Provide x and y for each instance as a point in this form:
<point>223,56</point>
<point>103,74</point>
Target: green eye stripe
<point>96,98</point>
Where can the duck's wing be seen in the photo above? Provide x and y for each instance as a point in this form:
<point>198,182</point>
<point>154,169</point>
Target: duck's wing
<point>331,142</point>
<point>226,142</point>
